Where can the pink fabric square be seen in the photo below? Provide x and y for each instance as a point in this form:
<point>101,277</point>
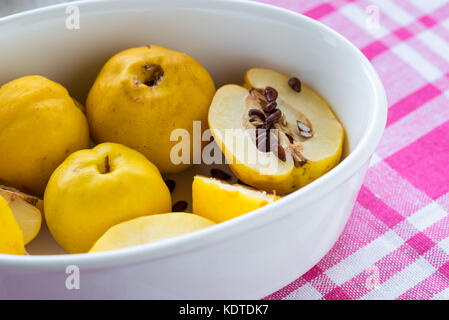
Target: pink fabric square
<point>421,243</point>
<point>444,270</point>
<point>320,11</point>
<point>374,49</point>
<point>403,34</point>
<point>425,162</point>
<point>427,21</point>
<point>337,294</point>
<point>312,273</point>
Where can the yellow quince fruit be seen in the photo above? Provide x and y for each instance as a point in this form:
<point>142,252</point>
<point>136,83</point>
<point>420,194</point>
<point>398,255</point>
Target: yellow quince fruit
<point>150,229</point>
<point>275,133</point>
<point>40,125</point>
<point>93,190</point>
<point>25,210</point>
<point>142,95</point>
<point>11,237</point>
<point>220,201</point>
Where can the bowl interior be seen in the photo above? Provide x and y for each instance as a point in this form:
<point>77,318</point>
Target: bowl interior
<point>225,41</point>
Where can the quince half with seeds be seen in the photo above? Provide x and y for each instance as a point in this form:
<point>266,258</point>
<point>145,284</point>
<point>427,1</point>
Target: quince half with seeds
<point>276,133</point>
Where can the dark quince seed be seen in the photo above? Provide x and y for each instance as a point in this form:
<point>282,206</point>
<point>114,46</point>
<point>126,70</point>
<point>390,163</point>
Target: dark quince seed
<point>271,94</point>
<point>270,106</point>
<point>179,206</point>
<point>295,84</point>
<point>281,153</point>
<point>276,115</point>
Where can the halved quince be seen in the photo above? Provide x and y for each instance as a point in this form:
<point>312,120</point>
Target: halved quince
<point>11,237</point>
<point>24,208</point>
<point>275,133</point>
<point>220,201</point>
<point>149,229</point>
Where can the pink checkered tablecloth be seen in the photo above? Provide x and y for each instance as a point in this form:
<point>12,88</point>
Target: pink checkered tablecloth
<point>396,244</point>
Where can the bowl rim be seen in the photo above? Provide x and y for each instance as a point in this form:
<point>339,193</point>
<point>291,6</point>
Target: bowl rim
<point>247,222</point>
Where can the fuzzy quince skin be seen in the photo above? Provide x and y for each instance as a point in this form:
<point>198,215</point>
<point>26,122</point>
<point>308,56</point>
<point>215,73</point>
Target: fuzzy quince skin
<point>142,94</point>
<point>308,154</point>
<point>40,125</point>
<point>92,190</point>
<point>11,237</point>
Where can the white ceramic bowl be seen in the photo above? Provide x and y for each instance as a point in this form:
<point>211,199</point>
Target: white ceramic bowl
<point>247,257</point>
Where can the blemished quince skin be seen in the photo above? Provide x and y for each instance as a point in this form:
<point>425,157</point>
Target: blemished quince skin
<point>142,94</point>
<point>93,190</point>
<point>40,125</point>
<point>11,237</point>
<point>220,201</point>
<point>25,211</point>
<point>149,229</point>
<point>309,138</point>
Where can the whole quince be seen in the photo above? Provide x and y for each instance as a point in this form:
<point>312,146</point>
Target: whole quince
<point>142,94</point>
<point>40,125</point>
<point>93,190</point>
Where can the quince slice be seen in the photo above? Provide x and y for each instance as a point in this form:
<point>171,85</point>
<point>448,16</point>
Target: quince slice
<point>11,237</point>
<point>149,229</point>
<point>24,208</point>
<point>220,201</point>
<point>275,133</point>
